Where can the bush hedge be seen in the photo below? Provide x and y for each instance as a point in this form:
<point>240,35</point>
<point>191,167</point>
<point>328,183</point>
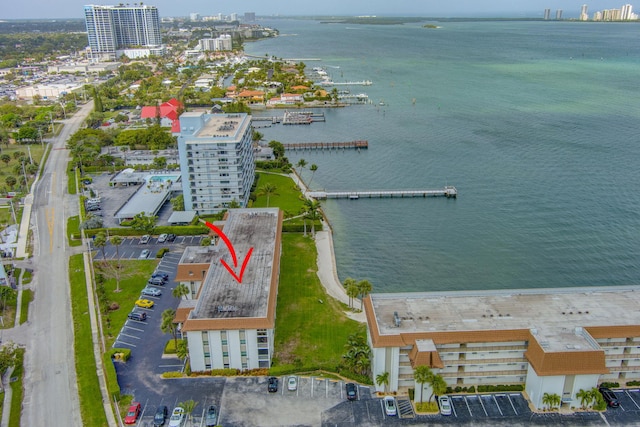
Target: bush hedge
<point>161,252</point>
<point>182,230</point>
<point>172,374</point>
<point>485,388</point>
<point>633,383</point>
<point>610,385</point>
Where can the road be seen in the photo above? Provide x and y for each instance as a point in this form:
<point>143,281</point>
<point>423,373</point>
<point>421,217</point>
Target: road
<point>51,392</point>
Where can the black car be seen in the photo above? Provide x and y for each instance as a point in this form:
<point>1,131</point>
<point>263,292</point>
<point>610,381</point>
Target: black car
<point>171,237</point>
<point>140,316</point>
<point>163,276</point>
<point>211,419</point>
<point>161,416</point>
<point>273,385</point>
<point>352,391</point>
<point>158,281</point>
<point>609,397</point>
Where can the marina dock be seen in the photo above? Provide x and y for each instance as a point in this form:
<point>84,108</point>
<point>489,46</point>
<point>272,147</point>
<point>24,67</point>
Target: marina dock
<point>358,83</point>
<point>450,192</point>
<point>327,145</point>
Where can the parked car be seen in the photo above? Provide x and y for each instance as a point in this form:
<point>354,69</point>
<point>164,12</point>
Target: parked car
<point>140,316</point>
<point>171,237</point>
<point>157,281</point>
<point>445,405</point>
<point>161,416</point>
<point>162,238</point>
<point>145,239</point>
<point>390,407</point>
<point>160,274</point>
<point>609,397</point>
<point>144,254</point>
<point>352,391</point>
<point>177,417</point>
<point>133,413</point>
<point>144,303</point>
<point>150,291</point>
<point>211,419</point>
<point>292,383</point>
<point>272,385</point>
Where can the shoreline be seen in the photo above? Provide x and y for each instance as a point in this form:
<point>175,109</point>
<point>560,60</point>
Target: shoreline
<point>326,260</point>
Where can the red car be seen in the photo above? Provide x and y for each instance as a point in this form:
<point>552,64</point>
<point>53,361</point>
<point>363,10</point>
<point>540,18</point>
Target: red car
<point>133,413</point>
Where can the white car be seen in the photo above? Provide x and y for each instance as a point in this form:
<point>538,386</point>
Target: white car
<point>144,254</point>
<point>177,417</point>
<point>292,384</point>
<point>390,407</point>
<point>162,238</point>
<point>151,291</point>
<point>145,239</point>
<point>445,405</point>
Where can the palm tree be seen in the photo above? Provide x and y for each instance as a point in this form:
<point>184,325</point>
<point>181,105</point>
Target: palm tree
<point>100,241</point>
<point>585,397</point>
<point>547,399</point>
<point>364,288</point>
<point>312,212</point>
<point>180,291</point>
<point>182,351</point>
<point>116,241</point>
<point>313,168</point>
<point>188,407</point>
<point>167,326</point>
<point>351,287</point>
<point>268,190</point>
<point>422,374</point>
<point>383,380</point>
<point>438,386</point>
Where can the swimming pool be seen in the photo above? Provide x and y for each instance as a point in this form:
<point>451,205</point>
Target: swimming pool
<point>164,178</point>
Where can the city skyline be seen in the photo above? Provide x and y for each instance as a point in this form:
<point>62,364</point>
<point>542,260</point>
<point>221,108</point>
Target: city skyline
<point>41,9</point>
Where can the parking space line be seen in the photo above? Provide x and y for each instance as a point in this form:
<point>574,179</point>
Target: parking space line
<point>511,402</point>
<point>131,327</point>
<point>496,402</point>
<point>122,343</point>
<point>482,404</point>
<point>634,402</point>
<point>468,407</point>
<point>128,336</point>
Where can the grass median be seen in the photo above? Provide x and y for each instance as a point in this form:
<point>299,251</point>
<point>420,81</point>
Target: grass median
<point>91,408</point>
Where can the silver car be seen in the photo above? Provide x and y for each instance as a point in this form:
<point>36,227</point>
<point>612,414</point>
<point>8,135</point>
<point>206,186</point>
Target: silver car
<point>151,291</point>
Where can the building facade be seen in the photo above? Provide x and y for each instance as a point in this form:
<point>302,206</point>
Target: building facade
<point>216,160</point>
<point>550,341</point>
<point>230,324</point>
<point>114,28</point>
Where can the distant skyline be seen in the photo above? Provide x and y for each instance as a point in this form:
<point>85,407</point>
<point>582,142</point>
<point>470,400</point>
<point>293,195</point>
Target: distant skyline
<point>46,9</point>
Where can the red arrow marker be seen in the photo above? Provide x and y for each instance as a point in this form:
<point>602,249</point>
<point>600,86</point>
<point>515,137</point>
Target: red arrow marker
<point>227,242</point>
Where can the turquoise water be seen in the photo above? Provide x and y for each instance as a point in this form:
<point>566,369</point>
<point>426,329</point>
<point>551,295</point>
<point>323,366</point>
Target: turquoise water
<point>535,123</point>
<point>164,178</point>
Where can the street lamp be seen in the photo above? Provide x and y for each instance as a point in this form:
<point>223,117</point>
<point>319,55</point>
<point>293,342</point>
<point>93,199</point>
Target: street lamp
<point>64,111</point>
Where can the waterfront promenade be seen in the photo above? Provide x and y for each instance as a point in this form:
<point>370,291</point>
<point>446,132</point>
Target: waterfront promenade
<point>327,270</point>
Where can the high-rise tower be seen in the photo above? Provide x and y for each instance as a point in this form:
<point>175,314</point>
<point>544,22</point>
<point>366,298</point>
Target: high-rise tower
<point>110,28</point>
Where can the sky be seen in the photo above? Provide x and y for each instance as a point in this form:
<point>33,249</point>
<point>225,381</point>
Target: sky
<point>47,9</point>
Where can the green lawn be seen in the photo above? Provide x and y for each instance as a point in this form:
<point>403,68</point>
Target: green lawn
<point>133,277</point>
<point>311,327</point>
<point>91,408</point>
<point>17,390</point>
<point>288,197</point>
<point>73,229</point>
<point>27,297</point>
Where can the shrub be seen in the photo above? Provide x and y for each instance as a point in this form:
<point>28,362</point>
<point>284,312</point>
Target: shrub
<point>427,407</point>
<point>172,374</point>
<point>633,383</point>
<point>161,252</point>
<point>471,389</point>
<point>610,385</point>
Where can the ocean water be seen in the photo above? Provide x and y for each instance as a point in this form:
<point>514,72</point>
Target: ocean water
<point>535,123</point>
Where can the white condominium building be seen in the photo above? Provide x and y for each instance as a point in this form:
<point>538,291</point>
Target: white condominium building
<point>110,28</point>
<point>216,160</point>
<point>230,324</point>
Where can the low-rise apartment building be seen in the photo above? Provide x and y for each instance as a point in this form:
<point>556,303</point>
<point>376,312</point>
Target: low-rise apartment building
<point>230,324</point>
<point>554,341</point>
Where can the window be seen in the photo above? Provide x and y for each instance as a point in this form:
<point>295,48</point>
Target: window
<point>243,353</point>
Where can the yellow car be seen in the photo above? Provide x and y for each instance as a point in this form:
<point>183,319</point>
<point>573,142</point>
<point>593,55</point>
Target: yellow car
<point>144,303</point>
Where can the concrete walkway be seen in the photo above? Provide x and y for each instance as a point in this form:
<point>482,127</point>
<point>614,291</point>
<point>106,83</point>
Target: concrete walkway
<point>8,392</point>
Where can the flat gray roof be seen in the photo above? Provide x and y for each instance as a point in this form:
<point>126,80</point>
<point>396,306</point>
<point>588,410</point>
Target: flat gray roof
<point>221,295</point>
<point>199,254</point>
<point>155,189</point>
<point>554,316</point>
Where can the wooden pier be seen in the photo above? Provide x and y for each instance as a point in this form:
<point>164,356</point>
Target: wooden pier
<point>327,145</point>
<point>450,192</point>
